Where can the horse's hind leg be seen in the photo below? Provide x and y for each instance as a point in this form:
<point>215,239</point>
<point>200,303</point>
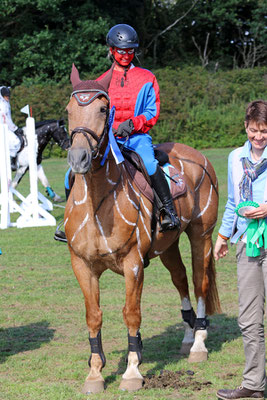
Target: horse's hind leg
<point>19,175</point>
<point>50,192</point>
<point>205,289</point>
<point>172,260</point>
<point>90,287</point>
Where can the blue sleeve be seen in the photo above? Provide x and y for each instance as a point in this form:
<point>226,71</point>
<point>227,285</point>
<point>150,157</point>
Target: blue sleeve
<point>229,213</point>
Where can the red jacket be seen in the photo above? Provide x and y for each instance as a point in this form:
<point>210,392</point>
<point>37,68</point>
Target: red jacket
<point>135,97</point>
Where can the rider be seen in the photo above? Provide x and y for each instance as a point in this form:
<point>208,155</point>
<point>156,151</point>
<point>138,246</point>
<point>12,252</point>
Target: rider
<point>134,92</point>
<point>16,137</point>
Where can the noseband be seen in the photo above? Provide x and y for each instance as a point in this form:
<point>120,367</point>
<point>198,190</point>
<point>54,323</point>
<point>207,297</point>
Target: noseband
<point>87,132</point>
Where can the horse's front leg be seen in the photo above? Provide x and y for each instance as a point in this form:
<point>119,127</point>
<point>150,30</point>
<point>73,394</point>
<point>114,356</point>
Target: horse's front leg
<point>134,276</point>
<point>90,287</point>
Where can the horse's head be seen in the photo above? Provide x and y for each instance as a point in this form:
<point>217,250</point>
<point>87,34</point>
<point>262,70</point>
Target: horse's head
<point>60,135</point>
<point>88,118</point>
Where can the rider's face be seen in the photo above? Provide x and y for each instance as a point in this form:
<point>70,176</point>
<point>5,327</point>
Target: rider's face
<point>123,57</point>
<point>6,98</point>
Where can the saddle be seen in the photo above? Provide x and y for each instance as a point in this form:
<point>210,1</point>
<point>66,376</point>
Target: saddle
<point>137,171</point>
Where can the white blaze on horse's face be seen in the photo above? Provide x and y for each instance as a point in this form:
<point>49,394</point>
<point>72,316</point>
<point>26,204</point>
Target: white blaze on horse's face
<point>93,117</point>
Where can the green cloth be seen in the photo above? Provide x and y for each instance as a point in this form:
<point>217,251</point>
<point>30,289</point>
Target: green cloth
<point>256,237</point>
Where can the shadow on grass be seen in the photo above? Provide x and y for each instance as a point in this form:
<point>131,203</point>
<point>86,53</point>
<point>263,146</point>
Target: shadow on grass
<point>163,349</point>
<point>24,338</point>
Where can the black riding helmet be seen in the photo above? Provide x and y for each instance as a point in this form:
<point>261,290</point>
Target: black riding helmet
<point>5,91</point>
<point>122,36</point>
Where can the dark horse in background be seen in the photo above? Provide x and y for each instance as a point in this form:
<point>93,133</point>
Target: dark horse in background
<point>45,131</point>
<point>108,226</point>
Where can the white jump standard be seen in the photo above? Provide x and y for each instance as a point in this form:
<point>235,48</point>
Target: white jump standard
<point>34,208</point>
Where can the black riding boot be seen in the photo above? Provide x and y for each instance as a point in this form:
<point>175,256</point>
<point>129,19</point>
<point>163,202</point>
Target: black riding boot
<point>59,234</point>
<point>13,162</point>
<point>169,219</point>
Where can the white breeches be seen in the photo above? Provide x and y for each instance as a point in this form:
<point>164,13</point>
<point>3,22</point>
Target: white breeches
<point>14,143</point>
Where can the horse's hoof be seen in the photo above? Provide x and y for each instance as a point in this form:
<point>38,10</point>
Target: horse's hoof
<point>57,199</point>
<point>93,387</point>
<point>198,356</point>
<point>185,348</point>
<point>131,384</point>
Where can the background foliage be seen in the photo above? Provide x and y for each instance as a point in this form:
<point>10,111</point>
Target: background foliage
<point>209,65</point>
<point>200,108</point>
<point>40,39</point>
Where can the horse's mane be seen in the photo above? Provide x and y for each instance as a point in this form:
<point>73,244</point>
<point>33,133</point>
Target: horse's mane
<point>42,123</point>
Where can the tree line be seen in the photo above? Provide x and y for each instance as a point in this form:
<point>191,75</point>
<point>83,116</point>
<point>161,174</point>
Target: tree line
<point>40,39</point>
<point>200,108</point>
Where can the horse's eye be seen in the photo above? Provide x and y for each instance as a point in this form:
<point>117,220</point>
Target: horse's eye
<point>103,110</point>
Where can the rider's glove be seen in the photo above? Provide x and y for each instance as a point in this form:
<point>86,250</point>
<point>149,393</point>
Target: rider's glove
<point>125,128</point>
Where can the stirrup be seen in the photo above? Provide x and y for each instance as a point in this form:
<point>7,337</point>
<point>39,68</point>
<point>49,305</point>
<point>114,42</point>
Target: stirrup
<point>169,221</point>
<point>59,234</point>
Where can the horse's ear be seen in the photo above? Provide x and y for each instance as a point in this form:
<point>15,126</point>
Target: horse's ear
<point>74,76</point>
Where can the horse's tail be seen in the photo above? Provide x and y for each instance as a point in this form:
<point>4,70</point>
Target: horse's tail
<point>212,300</point>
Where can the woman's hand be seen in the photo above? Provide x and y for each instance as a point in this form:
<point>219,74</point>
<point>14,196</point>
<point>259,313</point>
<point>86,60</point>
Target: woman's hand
<point>220,248</point>
<point>257,213</point>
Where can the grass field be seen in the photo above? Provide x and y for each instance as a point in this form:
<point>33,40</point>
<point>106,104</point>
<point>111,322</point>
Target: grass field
<point>44,345</point>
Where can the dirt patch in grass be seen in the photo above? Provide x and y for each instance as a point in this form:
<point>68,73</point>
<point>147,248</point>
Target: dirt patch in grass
<point>175,380</point>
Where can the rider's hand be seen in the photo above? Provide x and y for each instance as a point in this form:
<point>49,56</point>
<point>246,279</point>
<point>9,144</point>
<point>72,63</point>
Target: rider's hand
<point>125,128</point>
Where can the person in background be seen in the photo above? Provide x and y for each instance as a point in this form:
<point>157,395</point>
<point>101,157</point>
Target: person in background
<point>247,187</point>
<point>16,136</point>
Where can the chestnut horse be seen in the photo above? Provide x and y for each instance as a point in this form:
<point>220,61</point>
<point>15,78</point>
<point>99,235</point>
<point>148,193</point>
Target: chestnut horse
<point>108,226</point>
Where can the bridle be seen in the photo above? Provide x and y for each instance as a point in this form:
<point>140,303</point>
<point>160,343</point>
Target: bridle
<point>61,141</point>
<point>87,132</point>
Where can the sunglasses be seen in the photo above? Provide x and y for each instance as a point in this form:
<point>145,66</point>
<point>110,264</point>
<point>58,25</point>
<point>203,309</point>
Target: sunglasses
<point>122,52</point>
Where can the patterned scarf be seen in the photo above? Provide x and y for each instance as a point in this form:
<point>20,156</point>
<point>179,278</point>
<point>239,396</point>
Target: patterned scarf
<point>251,172</point>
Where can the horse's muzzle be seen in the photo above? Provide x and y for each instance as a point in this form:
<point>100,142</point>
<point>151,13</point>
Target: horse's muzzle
<point>79,160</point>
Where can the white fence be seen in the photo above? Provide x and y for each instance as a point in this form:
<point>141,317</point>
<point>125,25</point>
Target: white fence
<point>34,209</point>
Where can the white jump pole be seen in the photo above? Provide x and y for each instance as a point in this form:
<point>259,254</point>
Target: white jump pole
<point>32,146</point>
<point>4,158</point>
<point>35,214</point>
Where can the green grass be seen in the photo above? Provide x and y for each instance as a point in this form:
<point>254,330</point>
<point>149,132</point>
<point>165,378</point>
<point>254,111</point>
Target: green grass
<point>43,334</point>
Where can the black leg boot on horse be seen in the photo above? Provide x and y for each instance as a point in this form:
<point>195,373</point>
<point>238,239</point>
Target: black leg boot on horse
<point>168,216</point>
